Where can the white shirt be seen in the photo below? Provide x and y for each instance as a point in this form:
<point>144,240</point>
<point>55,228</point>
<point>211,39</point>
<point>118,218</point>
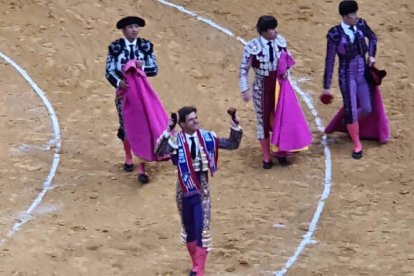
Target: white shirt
<point>265,41</point>
<point>348,31</point>
<point>196,141</point>
<point>127,43</point>
<point>200,163</point>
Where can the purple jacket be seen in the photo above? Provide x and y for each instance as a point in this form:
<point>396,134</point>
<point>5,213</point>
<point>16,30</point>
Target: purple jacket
<point>340,44</point>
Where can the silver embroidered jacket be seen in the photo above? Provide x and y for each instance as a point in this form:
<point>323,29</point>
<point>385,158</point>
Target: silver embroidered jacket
<point>119,54</point>
<point>256,55</point>
<point>167,145</point>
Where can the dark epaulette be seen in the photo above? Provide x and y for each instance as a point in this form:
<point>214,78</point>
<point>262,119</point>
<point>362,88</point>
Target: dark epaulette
<point>116,47</point>
<point>334,33</point>
<point>145,46</point>
<point>361,24</point>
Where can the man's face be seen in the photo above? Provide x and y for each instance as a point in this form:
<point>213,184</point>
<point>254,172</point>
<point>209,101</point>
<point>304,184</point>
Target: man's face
<point>270,34</point>
<point>131,32</point>
<point>351,19</point>
<point>191,123</point>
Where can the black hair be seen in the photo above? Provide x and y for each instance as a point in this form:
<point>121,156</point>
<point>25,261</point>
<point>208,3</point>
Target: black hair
<point>265,23</point>
<point>184,112</point>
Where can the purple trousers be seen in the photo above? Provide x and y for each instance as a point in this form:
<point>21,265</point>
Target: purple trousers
<point>193,218</point>
<point>354,88</point>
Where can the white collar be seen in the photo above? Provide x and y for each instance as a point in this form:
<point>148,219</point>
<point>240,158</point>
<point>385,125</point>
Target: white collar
<point>265,41</point>
<point>130,43</point>
<point>188,136</point>
<point>346,26</point>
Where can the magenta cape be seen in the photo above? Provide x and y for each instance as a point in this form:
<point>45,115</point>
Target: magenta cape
<point>290,129</point>
<point>145,117</point>
<point>375,125</point>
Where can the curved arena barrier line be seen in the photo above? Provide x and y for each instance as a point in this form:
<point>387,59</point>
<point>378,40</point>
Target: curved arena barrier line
<point>307,238</point>
<point>47,185</point>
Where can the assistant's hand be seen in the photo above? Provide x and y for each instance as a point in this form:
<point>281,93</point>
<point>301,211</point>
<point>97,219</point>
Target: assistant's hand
<point>247,95</point>
<point>123,84</point>
<point>139,63</point>
<point>371,61</point>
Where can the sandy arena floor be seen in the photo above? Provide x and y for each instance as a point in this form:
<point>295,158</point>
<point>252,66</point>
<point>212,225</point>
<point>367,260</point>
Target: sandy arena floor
<point>99,221</point>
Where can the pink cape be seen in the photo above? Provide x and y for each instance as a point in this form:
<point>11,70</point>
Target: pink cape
<point>373,126</point>
<point>145,117</point>
<point>290,129</point>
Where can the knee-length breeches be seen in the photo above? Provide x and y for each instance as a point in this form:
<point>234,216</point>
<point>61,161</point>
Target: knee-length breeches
<point>120,108</point>
<point>264,103</point>
<point>195,213</point>
<point>354,88</point>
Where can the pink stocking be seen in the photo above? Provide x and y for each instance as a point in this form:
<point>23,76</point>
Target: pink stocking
<point>265,149</point>
<point>201,260</point>
<point>141,168</point>
<point>192,249</point>
<point>353,130</point>
<point>128,152</point>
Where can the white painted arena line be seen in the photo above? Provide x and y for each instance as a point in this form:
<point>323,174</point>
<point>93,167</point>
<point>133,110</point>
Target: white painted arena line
<point>307,238</point>
<point>56,143</point>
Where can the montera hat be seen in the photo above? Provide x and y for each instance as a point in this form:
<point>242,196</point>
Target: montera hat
<point>129,20</point>
<point>348,6</point>
<point>374,76</point>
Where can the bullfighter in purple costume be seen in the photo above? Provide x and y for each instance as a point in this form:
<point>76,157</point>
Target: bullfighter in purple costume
<point>348,41</point>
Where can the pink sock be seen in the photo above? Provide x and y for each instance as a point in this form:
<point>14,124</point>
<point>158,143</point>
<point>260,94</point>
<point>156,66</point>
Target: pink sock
<point>201,260</point>
<point>128,153</point>
<point>141,168</point>
<point>192,249</point>
<point>353,130</point>
<point>265,149</point>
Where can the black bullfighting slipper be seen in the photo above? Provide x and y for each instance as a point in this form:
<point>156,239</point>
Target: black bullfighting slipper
<point>192,273</point>
<point>283,161</point>
<point>357,155</point>
<point>267,165</point>
<point>128,167</point>
<point>143,178</point>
